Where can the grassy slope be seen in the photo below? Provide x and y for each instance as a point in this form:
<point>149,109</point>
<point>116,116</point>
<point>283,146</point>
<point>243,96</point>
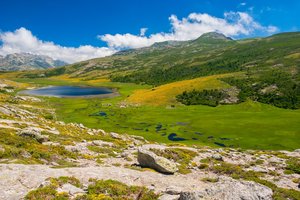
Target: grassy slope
<point>165,94</point>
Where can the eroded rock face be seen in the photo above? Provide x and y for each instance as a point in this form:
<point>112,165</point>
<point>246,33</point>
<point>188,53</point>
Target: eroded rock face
<point>149,159</point>
<point>33,133</point>
<point>231,190</point>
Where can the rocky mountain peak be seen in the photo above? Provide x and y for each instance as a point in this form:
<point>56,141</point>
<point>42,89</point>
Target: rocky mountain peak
<point>27,61</point>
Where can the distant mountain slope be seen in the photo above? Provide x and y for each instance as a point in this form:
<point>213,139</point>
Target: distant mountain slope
<point>270,66</point>
<point>211,53</point>
<point>26,61</point>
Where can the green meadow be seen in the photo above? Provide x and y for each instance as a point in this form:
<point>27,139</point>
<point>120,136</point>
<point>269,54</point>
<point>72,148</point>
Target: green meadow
<point>249,125</point>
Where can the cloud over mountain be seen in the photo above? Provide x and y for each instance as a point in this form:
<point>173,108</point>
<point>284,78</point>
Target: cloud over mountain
<point>22,40</point>
<point>191,27</point>
<point>233,24</point>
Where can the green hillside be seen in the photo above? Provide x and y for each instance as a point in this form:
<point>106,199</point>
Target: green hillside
<point>270,65</point>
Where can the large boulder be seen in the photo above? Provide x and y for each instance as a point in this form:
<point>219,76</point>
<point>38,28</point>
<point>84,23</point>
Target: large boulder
<point>230,189</point>
<point>33,133</point>
<point>147,158</point>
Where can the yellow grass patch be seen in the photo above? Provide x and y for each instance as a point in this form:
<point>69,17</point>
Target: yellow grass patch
<point>293,56</point>
<point>166,94</point>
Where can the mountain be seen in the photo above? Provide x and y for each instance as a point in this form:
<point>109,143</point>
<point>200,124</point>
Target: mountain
<point>27,61</point>
<point>269,67</point>
<point>213,36</point>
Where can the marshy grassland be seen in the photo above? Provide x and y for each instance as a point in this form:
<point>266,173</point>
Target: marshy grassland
<point>154,115</point>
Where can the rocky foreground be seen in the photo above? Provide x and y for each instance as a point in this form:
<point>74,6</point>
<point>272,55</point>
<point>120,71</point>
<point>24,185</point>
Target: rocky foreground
<point>43,158</point>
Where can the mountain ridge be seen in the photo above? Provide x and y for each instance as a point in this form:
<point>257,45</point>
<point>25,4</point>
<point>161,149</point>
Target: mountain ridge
<point>27,61</point>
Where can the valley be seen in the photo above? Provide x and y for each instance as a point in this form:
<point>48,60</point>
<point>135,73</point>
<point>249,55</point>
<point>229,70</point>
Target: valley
<point>218,117</point>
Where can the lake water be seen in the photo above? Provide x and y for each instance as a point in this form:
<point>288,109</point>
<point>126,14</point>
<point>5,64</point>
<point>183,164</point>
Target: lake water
<point>68,91</point>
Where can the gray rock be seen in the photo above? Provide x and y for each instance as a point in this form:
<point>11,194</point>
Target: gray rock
<point>115,135</point>
<point>173,190</point>
<point>259,169</point>
<point>217,157</point>
<point>34,133</point>
<point>70,189</point>
<point>45,183</point>
<point>51,143</point>
<point>297,150</point>
<point>102,143</point>
<point>190,196</point>
<point>149,159</point>
<point>231,190</point>
<point>169,197</point>
<point>5,111</point>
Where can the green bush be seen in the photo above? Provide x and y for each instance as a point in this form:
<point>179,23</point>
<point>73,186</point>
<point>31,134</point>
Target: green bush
<point>293,164</point>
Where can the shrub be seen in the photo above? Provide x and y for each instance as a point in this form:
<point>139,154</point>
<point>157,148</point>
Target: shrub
<point>293,164</point>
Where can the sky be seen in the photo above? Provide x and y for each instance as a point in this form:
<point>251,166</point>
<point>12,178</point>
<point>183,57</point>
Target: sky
<point>76,30</point>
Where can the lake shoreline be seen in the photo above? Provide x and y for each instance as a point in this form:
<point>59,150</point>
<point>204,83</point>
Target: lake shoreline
<point>114,93</point>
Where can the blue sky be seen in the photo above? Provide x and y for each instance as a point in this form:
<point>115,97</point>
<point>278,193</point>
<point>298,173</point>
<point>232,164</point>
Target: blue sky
<point>105,26</point>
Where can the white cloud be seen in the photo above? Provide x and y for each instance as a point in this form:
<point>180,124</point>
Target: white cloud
<point>143,31</point>
<point>22,40</point>
<point>243,4</point>
<point>232,24</point>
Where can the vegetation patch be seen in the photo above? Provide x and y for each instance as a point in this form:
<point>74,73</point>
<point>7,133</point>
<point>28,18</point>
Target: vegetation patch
<point>50,191</point>
<point>181,156</point>
<point>293,164</point>
<point>111,189</point>
<point>204,97</point>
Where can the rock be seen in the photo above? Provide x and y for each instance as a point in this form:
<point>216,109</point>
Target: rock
<point>5,111</point>
<point>45,183</point>
<point>51,143</point>
<point>25,154</point>
<point>34,133</point>
<point>172,190</point>
<point>115,135</point>
<point>190,196</point>
<point>79,148</point>
<point>138,137</point>
<point>102,143</point>
<point>149,159</point>
<point>169,197</point>
<point>259,169</point>
<point>70,189</point>
<point>297,150</point>
<point>217,157</point>
<point>81,126</point>
<point>230,189</point>
<point>124,155</point>
<point>27,98</point>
